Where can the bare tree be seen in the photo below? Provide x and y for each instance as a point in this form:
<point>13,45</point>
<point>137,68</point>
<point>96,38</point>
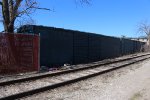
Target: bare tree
<point>144,27</point>
<point>83,1</point>
<point>11,10</point>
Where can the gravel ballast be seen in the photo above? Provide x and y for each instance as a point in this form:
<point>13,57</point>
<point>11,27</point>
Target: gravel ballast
<point>26,86</point>
<point>129,83</point>
<point>24,75</point>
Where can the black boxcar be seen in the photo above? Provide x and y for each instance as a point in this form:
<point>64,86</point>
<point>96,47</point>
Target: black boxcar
<point>59,46</point>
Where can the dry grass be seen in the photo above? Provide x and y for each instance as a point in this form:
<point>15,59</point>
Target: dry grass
<point>136,96</point>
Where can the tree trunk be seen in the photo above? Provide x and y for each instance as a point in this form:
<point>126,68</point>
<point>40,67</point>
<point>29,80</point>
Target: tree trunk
<point>5,11</point>
<point>9,10</point>
<point>11,28</point>
<point>148,43</point>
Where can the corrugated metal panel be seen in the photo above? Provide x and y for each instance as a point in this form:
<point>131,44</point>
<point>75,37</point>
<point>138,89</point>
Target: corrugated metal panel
<point>110,47</point>
<point>94,47</point>
<point>80,45</point>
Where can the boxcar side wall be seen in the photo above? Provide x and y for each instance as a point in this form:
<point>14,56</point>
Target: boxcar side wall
<point>81,47</point>
<point>94,47</point>
<point>56,47</point>
<point>60,46</point>
<point>110,47</point>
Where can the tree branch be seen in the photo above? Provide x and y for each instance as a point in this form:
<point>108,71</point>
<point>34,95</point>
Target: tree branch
<point>1,3</point>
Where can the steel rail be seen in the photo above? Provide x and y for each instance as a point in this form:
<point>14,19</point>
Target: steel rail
<point>64,72</point>
<point>42,89</point>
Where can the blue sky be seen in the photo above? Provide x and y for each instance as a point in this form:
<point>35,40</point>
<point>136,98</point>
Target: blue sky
<point>107,17</point>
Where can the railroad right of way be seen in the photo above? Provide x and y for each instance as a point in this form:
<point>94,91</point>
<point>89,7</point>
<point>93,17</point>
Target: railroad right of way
<point>32,85</point>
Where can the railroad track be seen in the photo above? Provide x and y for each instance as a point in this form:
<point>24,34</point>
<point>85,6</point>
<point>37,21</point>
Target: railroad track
<point>31,85</point>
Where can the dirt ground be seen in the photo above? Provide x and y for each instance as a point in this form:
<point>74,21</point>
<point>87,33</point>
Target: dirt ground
<point>130,83</point>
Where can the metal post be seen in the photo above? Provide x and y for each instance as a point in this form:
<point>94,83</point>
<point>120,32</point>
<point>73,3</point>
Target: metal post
<point>39,52</point>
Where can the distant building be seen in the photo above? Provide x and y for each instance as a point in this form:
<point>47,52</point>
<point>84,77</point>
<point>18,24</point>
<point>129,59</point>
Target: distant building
<point>141,39</point>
